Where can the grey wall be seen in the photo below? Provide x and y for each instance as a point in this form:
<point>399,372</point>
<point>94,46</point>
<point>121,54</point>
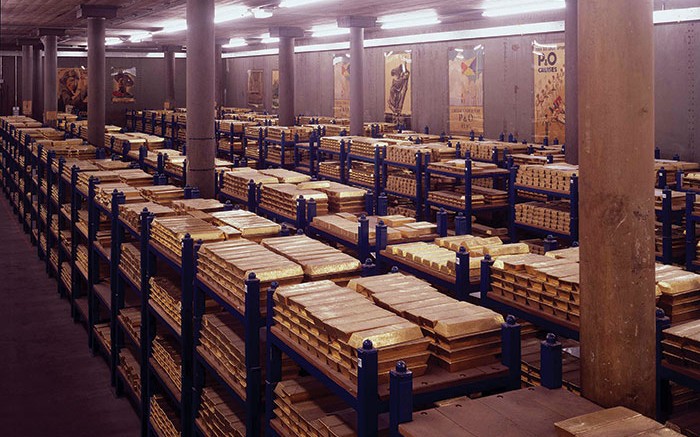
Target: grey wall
<point>508,85</point>
<point>8,86</point>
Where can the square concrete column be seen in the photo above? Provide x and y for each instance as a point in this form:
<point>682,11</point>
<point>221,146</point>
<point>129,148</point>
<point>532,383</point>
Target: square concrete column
<point>27,78</point>
<point>357,27</point>
<point>286,68</point>
<point>571,80</point>
<point>201,144</point>
<point>49,38</point>
<point>616,139</point>
<point>97,69</point>
<point>38,82</point>
<point>219,73</point>
<point>169,62</point>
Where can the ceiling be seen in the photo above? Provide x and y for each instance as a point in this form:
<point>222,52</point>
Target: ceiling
<point>19,18</point>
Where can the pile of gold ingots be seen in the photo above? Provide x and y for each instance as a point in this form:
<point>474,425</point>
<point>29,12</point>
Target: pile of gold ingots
<point>170,231</point>
<point>166,353</point>
<point>164,417</point>
<point>553,216</point>
<point>166,297</point>
<point>551,177</point>
<point>162,194</point>
<point>282,199</point>
<point>681,344</point>
<point>131,369</point>
<point>366,146</point>
<point>131,213</point>
<point>236,181</point>
<point>220,414</point>
<point>250,225</point>
<point>221,343</point>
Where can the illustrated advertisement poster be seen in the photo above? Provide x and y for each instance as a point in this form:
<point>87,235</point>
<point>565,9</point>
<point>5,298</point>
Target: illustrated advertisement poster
<point>72,88</point>
<point>255,88</point>
<point>123,82</point>
<point>550,108</point>
<point>275,89</point>
<point>466,79</point>
<point>341,86</point>
<point>397,86</point>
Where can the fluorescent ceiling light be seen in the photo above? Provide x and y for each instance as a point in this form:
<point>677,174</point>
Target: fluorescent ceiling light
<point>500,9</point>
<point>230,13</point>
<point>140,36</point>
<point>295,3</point>
<point>267,39</point>
<point>331,29</point>
<point>261,13</point>
<point>173,26</point>
<point>112,41</point>
<point>235,42</point>
<point>409,19</point>
<point>676,15</point>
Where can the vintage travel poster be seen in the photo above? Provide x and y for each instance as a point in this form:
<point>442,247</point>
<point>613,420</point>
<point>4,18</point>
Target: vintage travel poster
<point>466,81</point>
<point>397,85</point>
<point>72,89</point>
<point>550,108</point>
<point>275,89</point>
<point>255,88</point>
<point>341,86</point>
<point>123,83</point>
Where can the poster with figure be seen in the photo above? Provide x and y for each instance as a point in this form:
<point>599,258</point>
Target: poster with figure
<point>550,108</point>
<point>255,88</point>
<point>466,81</point>
<point>123,82</point>
<point>72,88</point>
<point>275,89</point>
<point>397,86</point>
<point>341,86</point>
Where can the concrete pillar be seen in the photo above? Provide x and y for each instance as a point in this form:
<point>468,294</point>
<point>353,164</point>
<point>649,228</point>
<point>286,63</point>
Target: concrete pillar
<point>286,67</point>
<point>27,78</point>
<point>357,27</point>
<point>571,79</point>
<point>38,83</point>
<point>616,138</point>
<point>169,77</point>
<point>219,73</point>
<point>50,68</point>
<point>96,81</point>
<point>201,145</point>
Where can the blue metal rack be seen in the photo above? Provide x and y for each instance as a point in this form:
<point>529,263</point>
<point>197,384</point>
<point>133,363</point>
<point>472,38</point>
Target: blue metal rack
<point>377,161</point>
<point>367,397</point>
<point>322,154</point>
<point>668,217</point>
<point>692,219</point>
<point>312,149</point>
<point>419,170</point>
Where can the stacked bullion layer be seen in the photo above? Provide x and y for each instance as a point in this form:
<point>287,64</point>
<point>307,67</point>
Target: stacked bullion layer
<point>681,345</point>
<point>490,150</point>
<point>249,224</point>
<point>131,213</point>
<point>672,167</point>
<point>402,182</point>
<point>103,177</point>
<point>222,345</point>
<point>81,257</point>
<point>550,177</point>
<point>293,133</point>
<point>130,368</point>
<point>111,164</point>
<point>82,165</point>
<point>366,146</point>
<point>220,414</point>
<point>131,320</point>
<point>285,176</point>
<point>164,417</point>
<point>336,129</point>
<point>68,149</point>
<point>331,323</point>
<point>333,143</point>
<point>318,260</point>
<point>412,137</point>
<point>304,407</point>
<point>119,140</point>
<point>525,159</point>
<point>679,293</point>
<point>341,198</point>
<point>282,199</point>
<point>346,227</point>
<point>457,167</point>
<point>166,354</point>
<point>170,231</point>
<point>103,333</point>
<point>166,299</point>
<point>103,193</point>
<point>135,177</point>
<point>66,273</point>
<point>531,364</point>
<point>407,152</point>
<point>205,205</point>
<point>456,199</point>
<point>225,266</point>
<point>691,181</point>
<point>236,181</point>
<point>551,216</point>
<point>329,169</point>
<point>162,194</point>
<point>464,335</point>
<point>618,421</point>
<point>361,173</point>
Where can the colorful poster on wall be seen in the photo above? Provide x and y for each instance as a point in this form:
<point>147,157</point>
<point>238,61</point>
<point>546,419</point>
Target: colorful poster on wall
<point>341,86</point>
<point>275,89</point>
<point>123,82</point>
<point>550,108</point>
<point>255,88</point>
<point>466,79</point>
<point>72,89</point>
<point>397,87</point>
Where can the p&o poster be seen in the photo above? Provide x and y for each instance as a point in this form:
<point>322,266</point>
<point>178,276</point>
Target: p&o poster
<point>397,87</point>
<point>275,89</point>
<point>550,108</point>
<point>255,88</point>
<point>123,82</point>
<point>72,89</point>
<point>466,79</point>
<point>341,86</point>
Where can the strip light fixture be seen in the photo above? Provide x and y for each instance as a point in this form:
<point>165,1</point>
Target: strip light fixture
<point>267,39</point>
<point>496,8</point>
<point>330,29</point>
<point>113,41</point>
<point>296,3</point>
<point>261,13</point>
<point>235,42</point>
<point>173,26</point>
<point>140,36</point>
<point>422,17</point>
<point>230,13</point>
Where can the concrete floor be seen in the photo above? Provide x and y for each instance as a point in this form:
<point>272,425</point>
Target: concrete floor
<point>50,384</point>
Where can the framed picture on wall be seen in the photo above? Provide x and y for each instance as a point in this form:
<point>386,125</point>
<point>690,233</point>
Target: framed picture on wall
<point>466,79</point>
<point>123,83</point>
<point>255,88</point>
<point>72,88</point>
<point>550,102</point>
<point>398,71</point>
<point>275,89</point>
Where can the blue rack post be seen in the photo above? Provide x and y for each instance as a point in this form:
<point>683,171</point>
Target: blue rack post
<point>691,219</point>
<point>117,236</point>
<point>148,329</point>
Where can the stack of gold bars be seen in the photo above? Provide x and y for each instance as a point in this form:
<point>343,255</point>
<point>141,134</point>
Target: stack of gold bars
<point>166,299</point>
<point>131,320</point>
<point>366,146</point>
<point>345,226</point>
<point>691,181</point>
<point>456,199</point>
<point>361,173</point>
<point>184,206</point>
<point>677,240</point>
<point>66,274</point>
<point>304,407</point>
<point>235,126</point>
<point>617,421</point>
<point>162,194</point>
<point>294,133</point>
<point>135,177</point>
<point>282,199</point>
<point>130,368</point>
<point>102,332</point>
<point>412,137</point>
<point>286,176</point>
<point>318,260</point>
<point>249,224</point>
<point>236,181</point>
<point>170,231</point>
<point>536,159</point>
<point>110,164</point>
<point>678,293</point>
<point>551,177</point>
<point>331,322</point>
<point>531,364</point>
<point>336,129</point>
<point>103,177</point>
<point>81,257</point>
<point>330,169</point>
<point>222,345</point>
<point>672,166</point>
<point>164,418</point>
<point>225,266</point>
<point>333,143</point>
<point>402,182</point>
<point>553,216</point>
<point>103,193</point>
<point>458,166</point>
<point>484,150</point>
<point>463,335</point>
<point>220,414</point>
<point>166,354</point>
<point>341,198</point>
<point>83,166</point>
<point>131,213</point>
<point>681,345</point>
